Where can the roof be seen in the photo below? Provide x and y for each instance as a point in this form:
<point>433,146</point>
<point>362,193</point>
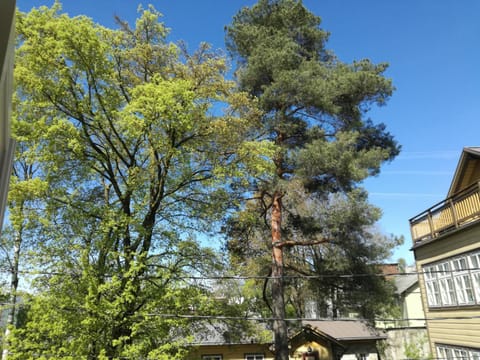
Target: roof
<point>467,171</point>
<point>343,330</point>
<point>221,334</point>
<point>405,282</point>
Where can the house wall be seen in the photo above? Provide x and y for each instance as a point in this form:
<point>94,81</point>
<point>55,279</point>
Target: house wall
<point>7,37</point>
<point>239,351</point>
<point>355,349</point>
<point>412,308</point>
<point>231,352</point>
<point>403,343</point>
<point>323,350</point>
<point>465,331</point>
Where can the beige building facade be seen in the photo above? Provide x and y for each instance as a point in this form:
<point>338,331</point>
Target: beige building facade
<point>446,244</point>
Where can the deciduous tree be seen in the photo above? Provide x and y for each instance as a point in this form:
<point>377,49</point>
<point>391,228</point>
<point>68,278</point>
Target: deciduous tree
<point>141,140</point>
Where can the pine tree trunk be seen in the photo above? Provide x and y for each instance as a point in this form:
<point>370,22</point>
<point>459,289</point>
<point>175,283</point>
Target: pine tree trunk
<point>13,294</point>
<point>278,301</point>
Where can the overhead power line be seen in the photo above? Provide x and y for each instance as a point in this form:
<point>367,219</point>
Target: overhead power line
<point>249,277</point>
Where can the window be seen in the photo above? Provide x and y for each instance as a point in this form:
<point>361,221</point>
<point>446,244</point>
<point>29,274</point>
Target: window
<point>254,356</point>
<point>463,283</point>
<point>445,281</point>
<point>454,281</point>
<point>211,357</point>
<point>433,293</point>
<point>457,353</point>
<point>475,355</point>
<point>444,352</point>
<point>460,354</point>
<point>474,263</point>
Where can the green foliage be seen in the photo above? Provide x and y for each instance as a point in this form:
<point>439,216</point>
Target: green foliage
<point>415,350</point>
<point>134,141</point>
<point>315,109</point>
<point>357,247</point>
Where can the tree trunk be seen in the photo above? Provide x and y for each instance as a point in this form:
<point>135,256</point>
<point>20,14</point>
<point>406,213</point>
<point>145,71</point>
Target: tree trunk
<point>13,294</point>
<point>278,301</point>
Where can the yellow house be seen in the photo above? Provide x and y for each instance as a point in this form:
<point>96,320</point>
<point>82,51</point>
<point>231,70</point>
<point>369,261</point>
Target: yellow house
<point>316,340</point>
<point>7,34</point>
<point>446,244</point>
<point>410,301</point>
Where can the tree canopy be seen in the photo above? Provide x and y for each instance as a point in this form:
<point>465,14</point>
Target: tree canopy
<point>134,150</point>
<point>138,141</point>
<point>315,110</point>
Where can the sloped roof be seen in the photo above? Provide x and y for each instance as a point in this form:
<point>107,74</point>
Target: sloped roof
<point>405,282</point>
<point>344,330</point>
<point>308,333</point>
<point>467,171</point>
<point>220,333</point>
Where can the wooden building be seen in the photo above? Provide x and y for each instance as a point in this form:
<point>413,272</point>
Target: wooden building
<point>446,244</point>
<point>7,40</point>
<point>316,340</point>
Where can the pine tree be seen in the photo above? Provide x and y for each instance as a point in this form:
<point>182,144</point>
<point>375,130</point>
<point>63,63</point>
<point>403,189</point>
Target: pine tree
<point>315,107</point>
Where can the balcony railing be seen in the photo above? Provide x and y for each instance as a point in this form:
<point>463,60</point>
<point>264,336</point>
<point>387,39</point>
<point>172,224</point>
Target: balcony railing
<point>447,215</point>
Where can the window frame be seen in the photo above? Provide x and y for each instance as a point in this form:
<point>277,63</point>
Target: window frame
<point>212,357</point>
<point>452,352</point>
<point>256,356</point>
<point>453,281</point>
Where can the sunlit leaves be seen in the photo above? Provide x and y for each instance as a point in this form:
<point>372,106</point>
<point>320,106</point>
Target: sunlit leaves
<point>136,142</point>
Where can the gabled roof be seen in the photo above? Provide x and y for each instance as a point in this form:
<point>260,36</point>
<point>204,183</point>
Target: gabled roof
<point>336,332</point>
<point>219,333</point>
<point>306,333</point>
<point>468,170</point>
<point>405,282</point>
<point>345,330</point>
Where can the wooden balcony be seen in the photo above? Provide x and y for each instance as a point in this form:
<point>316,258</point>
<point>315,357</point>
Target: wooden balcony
<point>449,214</point>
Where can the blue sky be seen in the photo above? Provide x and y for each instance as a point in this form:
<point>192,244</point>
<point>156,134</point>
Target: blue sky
<point>433,50</point>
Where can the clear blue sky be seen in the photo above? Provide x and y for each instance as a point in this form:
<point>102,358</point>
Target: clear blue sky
<point>433,49</point>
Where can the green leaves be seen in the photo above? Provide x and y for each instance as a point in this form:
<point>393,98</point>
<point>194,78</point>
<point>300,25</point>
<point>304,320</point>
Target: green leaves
<point>340,164</point>
<point>314,112</point>
<point>134,143</point>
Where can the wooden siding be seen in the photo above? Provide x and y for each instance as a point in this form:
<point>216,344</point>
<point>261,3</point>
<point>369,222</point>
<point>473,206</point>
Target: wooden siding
<point>230,352</point>
<point>465,240</point>
<point>468,171</point>
<point>7,145</point>
<point>462,332</point>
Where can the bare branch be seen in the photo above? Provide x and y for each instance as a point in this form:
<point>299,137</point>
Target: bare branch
<point>290,243</point>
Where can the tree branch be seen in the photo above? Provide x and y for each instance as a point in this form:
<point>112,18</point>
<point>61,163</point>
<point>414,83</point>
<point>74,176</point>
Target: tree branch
<point>290,243</point>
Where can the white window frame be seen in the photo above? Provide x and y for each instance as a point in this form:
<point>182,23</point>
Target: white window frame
<point>254,356</point>
<point>212,357</point>
<point>448,352</point>
<point>446,284</point>
<point>463,281</point>
<point>444,352</point>
<point>474,264</point>
<point>475,354</point>
<point>454,281</point>
<point>431,285</point>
